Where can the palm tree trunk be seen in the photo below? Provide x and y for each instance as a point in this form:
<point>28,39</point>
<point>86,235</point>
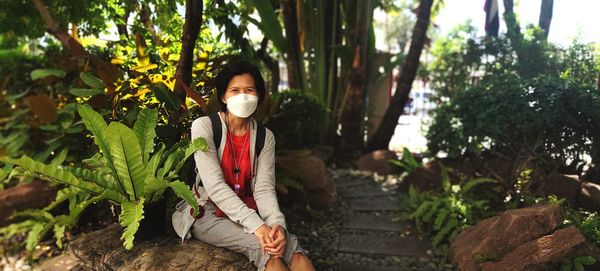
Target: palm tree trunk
<point>384,133</point>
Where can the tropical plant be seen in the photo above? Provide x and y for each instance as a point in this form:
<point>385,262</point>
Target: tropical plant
<point>128,170</point>
<point>447,213</point>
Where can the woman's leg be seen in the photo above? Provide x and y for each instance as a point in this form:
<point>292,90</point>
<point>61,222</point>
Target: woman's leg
<point>275,264</point>
<point>301,263</point>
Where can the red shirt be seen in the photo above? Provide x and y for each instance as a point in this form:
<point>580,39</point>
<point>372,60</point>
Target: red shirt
<point>242,184</point>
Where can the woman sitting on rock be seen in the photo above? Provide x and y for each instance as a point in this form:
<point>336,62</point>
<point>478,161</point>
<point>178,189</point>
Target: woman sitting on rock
<point>236,187</point>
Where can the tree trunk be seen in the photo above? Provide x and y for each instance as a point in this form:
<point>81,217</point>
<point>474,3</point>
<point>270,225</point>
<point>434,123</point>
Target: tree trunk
<point>191,28</point>
<point>384,133</point>
<point>352,115</point>
<point>293,57</point>
<point>546,16</point>
<point>271,64</point>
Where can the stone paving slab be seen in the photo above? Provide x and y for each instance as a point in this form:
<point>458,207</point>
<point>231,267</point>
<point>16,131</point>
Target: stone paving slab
<point>351,182</point>
<point>368,191</point>
<point>374,222</point>
<point>59,263</point>
<point>356,267</point>
<point>385,245</point>
<point>374,204</point>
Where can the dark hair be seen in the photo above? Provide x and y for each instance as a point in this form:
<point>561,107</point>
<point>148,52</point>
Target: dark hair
<point>237,68</point>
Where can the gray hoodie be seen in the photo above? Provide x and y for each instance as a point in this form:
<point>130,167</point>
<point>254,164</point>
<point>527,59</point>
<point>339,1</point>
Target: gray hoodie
<point>214,186</point>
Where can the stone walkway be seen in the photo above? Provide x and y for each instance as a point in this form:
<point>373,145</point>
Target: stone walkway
<point>370,240</point>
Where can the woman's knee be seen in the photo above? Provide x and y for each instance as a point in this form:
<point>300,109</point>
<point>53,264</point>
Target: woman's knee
<point>300,262</point>
<point>275,264</point>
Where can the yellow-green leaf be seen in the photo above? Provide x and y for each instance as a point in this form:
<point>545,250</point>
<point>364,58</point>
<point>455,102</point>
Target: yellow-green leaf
<point>131,215</point>
<point>127,156</point>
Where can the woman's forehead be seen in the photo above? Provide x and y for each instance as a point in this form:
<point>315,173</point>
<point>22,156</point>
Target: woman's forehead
<point>241,81</point>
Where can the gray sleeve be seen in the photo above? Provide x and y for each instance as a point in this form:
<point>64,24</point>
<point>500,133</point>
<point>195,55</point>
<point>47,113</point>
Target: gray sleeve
<point>209,169</point>
<point>264,189</point>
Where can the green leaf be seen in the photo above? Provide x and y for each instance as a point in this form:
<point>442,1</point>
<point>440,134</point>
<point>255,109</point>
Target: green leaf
<point>61,196</point>
<point>54,172</point>
<point>85,92</point>
<point>269,24</point>
<point>91,80</point>
<point>440,219</point>
<point>59,233</point>
<point>130,217</point>
<point>43,73</point>
<point>198,144</point>
<point>434,207</point>
<point>16,228</point>
<point>566,266</point>
<point>127,156</point>
<point>421,210</point>
<point>144,130</point>
<point>154,162</point>
<point>447,185</point>
<point>472,183</point>
<point>97,126</point>
<point>446,230</point>
<point>34,236</point>
<point>95,176</point>
<point>585,260</point>
<point>166,96</point>
<point>578,266</point>
<point>59,158</point>
<point>33,214</point>
<point>153,186</point>
<point>176,155</point>
<point>183,191</point>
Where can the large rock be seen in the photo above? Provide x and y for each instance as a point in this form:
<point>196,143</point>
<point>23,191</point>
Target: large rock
<point>36,194</point>
<point>378,161</point>
<point>494,237</point>
<point>103,250</point>
<point>311,172</point>
<point>545,253</point>
<point>589,198</point>
<point>563,186</point>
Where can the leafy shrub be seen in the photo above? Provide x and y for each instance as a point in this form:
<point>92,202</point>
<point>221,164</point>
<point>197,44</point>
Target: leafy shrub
<point>299,122</point>
<point>544,117</point>
<point>516,98</point>
<point>127,170</point>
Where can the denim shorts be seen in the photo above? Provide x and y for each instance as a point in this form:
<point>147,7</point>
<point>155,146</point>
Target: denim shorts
<point>223,232</point>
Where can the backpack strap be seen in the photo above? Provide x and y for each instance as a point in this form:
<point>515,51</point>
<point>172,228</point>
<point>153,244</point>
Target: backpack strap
<point>260,139</point>
<point>217,128</point>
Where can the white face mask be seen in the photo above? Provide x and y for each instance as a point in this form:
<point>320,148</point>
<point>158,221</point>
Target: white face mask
<point>242,105</point>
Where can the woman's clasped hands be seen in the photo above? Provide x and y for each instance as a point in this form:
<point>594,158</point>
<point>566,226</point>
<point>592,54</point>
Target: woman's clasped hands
<point>272,240</point>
